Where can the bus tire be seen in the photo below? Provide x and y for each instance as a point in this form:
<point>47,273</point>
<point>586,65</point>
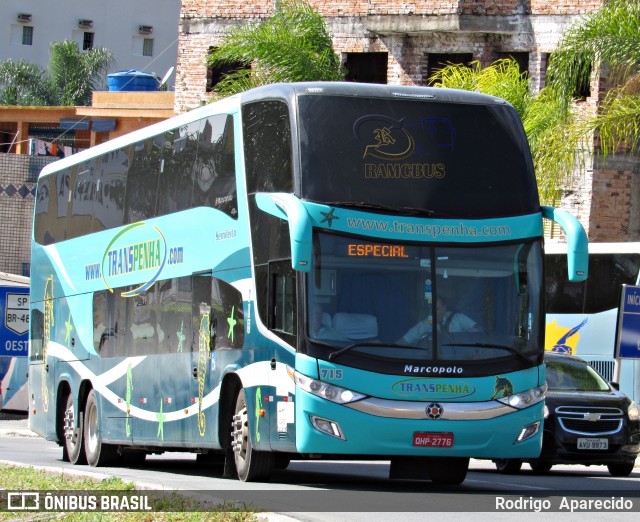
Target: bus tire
<point>508,466</point>
<point>98,453</point>
<point>448,471</point>
<point>251,465</point>
<point>73,435</point>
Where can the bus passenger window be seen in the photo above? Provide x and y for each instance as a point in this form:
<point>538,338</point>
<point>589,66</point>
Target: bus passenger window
<point>283,310</point>
<point>104,325</point>
<point>227,316</point>
<point>44,198</point>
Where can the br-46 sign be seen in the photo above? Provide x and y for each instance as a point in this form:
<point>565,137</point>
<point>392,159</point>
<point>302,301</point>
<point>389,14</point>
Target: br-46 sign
<point>17,313</point>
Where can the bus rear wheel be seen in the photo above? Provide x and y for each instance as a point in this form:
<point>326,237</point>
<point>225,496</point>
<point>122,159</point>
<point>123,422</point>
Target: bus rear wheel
<point>73,435</point>
<point>251,465</point>
<point>98,453</point>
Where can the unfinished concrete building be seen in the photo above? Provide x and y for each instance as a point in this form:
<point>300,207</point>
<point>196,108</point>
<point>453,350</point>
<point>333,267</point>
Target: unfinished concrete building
<point>403,42</point>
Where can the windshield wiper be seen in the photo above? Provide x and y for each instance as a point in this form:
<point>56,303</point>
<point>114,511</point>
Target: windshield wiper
<point>359,204</point>
<point>408,211</point>
<point>334,355</point>
<point>498,346</point>
<point>412,211</point>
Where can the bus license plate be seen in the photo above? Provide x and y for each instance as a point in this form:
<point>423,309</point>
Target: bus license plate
<point>593,444</point>
<point>427,439</point>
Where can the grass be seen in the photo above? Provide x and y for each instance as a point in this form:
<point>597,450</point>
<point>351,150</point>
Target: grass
<point>178,508</point>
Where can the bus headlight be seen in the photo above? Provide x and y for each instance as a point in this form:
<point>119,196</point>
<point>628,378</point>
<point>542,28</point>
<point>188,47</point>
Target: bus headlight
<point>525,399</point>
<point>331,392</point>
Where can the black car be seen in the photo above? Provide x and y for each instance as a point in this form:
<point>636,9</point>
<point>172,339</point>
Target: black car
<point>587,421</point>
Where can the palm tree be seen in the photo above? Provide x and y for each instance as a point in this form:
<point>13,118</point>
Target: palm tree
<point>293,45</point>
<point>69,81</point>
<point>24,83</point>
<point>76,74</point>
<point>608,38</point>
<point>544,115</point>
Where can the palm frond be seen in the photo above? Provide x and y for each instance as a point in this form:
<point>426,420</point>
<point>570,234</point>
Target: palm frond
<point>24,83</point>
<point>609,36</point>
<point>293,45</point>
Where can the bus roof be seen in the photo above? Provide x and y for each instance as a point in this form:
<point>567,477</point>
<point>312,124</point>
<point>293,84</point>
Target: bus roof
<point>556,247</point>
<point>288,90</point>
<point>13,280</point>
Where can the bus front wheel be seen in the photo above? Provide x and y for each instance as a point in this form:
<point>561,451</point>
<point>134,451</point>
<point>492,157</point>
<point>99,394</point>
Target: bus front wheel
<point>98,453</point>
<point>251,465</point>
<point>448,471</point>
<point>73,435</point>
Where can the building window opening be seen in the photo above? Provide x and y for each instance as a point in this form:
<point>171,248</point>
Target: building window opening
<point>147,47</point>
<point>27,35</point>
<point>87,41</point>
<point>366,67</point>
<point>215,73</point>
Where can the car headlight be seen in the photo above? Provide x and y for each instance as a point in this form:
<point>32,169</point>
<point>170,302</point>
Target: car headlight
<point>525,399</point>
<point>633,412</point>
<point>327,391</point>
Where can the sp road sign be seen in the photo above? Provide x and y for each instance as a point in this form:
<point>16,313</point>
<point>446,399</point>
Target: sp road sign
<point>16,316</point>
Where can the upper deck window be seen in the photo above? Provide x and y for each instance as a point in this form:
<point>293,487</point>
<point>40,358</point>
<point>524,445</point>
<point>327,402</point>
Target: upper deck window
<point>459,160</point>
<point>189,166</point>
<point>267,147</point>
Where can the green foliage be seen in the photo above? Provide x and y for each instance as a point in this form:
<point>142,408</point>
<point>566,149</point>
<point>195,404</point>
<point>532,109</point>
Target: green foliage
<point>609,39</point>
<point>24,83</point>
<point>502,78</point>
<point>293,45</point>
<point>76,74</point>
<point>609,36</point>
<point>544,116</point>
<point>71,77</point>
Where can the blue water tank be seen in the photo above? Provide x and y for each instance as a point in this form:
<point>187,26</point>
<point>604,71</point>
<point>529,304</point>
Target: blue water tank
<point>133,81</point>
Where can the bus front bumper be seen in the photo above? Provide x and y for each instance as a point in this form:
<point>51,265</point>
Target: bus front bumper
<point>390,428</point>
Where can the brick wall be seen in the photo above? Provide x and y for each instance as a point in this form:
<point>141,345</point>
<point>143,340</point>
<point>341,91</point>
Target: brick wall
<point>18,177</point>
<point>407,30</point>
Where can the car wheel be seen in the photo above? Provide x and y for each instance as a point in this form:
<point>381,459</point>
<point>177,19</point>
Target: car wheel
<point>540,466</point>
<point>508,466</point>
<point>621,469</point>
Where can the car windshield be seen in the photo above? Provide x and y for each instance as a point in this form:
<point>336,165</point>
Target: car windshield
<point>569,374</point>
<point>406,301</point>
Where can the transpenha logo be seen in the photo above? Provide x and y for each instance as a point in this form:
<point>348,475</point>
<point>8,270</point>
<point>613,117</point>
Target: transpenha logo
<point>383,137</point>
<point>436,389</point>
<point>138,248</point>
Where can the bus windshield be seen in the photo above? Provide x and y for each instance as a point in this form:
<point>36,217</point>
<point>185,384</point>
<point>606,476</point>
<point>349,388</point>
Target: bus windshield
<point>398,300</point>
<point>406,154</point>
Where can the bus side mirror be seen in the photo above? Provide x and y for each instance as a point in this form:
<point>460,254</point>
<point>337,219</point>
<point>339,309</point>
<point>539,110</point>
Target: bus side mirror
<point>290,208</point>
<point>577,242</point>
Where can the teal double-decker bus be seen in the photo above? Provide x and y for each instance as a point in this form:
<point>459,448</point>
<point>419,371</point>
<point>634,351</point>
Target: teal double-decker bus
<point>311,270</point>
